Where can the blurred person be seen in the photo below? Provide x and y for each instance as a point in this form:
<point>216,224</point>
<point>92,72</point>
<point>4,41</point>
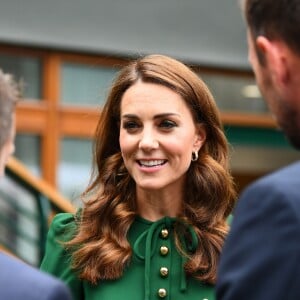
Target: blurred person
<point>8,98</point>
<point>154,216</point>
<point>19,281</point>
<point>261,257</point>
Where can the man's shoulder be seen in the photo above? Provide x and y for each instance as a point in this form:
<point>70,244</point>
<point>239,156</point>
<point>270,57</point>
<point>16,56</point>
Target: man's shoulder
<point>280,187</point>
<point>17,277</point>
<point>11,266</point>
<point>292,169</point>
<point>282,179</point>
<point>11,263</point>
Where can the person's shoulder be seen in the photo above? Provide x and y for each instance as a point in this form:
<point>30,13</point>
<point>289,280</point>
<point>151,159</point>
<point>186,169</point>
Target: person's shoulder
<point>278,189</point>
<point>19,269</point>
<point>287,175</point>
<point>285,180</point>
<point>7,260</point>
<point>64,224</point>
<point>65,219</point>
<point>19,280</point>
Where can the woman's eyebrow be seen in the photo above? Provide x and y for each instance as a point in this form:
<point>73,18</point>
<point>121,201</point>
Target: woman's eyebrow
<point>158,116</point>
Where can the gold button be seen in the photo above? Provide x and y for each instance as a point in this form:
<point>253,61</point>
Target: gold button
<point>164,250</point>
<point>164,233</point>
<point>164,271</point>
<point>162,293</point>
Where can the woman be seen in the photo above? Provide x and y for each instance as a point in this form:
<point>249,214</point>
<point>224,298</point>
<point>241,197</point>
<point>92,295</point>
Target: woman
<point>154,216</point>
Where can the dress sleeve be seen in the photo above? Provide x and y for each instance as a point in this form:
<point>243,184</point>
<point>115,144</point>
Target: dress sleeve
<point>57,260</point>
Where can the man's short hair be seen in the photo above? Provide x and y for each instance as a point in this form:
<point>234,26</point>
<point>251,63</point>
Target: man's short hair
<point>9,95</point>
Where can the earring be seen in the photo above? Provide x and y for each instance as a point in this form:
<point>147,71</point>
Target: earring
<point>194,155</point>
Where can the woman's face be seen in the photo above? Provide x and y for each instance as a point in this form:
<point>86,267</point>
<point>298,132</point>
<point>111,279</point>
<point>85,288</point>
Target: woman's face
<point>157,136</point>
<point>8,148</point>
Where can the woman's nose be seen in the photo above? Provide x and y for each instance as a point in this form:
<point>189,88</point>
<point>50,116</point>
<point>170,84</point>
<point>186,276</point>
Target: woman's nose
<point>148,140</point>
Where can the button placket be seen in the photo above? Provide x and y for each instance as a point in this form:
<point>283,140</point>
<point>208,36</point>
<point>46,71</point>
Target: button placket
<point>164,250</point>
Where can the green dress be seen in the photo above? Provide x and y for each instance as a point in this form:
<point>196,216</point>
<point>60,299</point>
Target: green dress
<point>155,270</point>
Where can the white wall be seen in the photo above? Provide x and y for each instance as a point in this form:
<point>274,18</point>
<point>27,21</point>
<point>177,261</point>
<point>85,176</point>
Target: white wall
<point>209,32</point>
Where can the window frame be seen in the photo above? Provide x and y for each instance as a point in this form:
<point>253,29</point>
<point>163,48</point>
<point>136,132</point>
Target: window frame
<point>52,121</point>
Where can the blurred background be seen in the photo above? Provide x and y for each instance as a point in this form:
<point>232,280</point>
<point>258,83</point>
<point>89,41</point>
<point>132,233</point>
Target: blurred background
<point>66,53</point>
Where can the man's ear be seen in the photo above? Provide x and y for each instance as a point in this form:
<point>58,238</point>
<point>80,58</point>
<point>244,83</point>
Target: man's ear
<point>275,58</point>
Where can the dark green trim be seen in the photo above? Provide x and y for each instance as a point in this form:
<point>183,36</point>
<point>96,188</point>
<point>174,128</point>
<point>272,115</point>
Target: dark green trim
<point>250,136</point>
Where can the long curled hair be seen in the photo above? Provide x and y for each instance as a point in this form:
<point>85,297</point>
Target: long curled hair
<point>100,247</point>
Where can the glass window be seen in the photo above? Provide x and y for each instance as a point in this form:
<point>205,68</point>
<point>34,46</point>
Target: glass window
<point>75,167</point>
<point>28,151</point>
<point>28,70</point>
<point>85,85</point>
<point>235,93</point>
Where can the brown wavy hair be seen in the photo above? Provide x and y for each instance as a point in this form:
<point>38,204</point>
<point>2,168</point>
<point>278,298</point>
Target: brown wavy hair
<point>100,248</point>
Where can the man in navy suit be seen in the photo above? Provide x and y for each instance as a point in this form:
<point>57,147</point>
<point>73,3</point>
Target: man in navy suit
<point>261,256</point>
<point>19,281</point>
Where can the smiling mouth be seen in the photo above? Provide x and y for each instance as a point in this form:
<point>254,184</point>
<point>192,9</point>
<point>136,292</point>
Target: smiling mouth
<point>152,163</point>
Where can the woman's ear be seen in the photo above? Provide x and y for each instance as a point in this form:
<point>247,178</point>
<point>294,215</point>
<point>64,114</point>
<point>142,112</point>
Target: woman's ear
<point>275,59</point>
<point>200,137</point>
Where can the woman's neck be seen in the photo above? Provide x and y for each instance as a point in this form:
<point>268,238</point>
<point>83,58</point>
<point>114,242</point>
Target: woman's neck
<point>153,205</point>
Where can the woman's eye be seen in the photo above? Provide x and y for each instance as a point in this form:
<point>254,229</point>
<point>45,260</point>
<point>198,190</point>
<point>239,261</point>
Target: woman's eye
<point>167,124</point>
<point>130,125</point>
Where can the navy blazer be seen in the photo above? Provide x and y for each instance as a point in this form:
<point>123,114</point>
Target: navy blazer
<point>19,281</point>
<point>261,256</point>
